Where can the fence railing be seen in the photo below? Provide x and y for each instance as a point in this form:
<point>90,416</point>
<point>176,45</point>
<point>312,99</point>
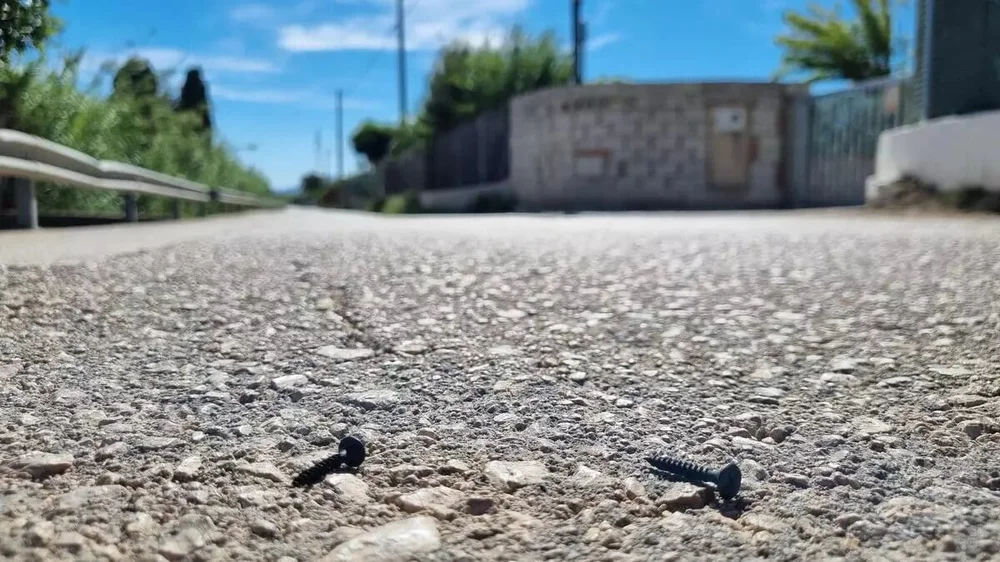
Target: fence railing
<point>837,142</point>
<point>28,159</point>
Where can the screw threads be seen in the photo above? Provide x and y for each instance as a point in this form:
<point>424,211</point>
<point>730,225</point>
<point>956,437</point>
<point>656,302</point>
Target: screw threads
<point>350,452</point>
<point>317,472</point>
<point>683,468</point>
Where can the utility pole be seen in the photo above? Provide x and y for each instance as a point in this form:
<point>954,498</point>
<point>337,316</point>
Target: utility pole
<point>579,32</point>
<point>340,133</point>
<point>318,164</point>
<point>401,34</point>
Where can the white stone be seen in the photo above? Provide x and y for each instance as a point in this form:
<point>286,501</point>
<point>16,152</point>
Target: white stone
<point>187,469</point>
<point>400,540</point>
<point>871,426</point>
<point>350,487</point>
<point>586,476</point>
<point>344,353</point>
<point>436,500</point>
<point>680,496</point>
<point>42,465</point>
<point>509,476</point>
<point>289,382</point>
<point>375,399</point>
<point>264,470</point>
<point>180,545</point>
<point>93,495</point>
<point>951,371</point>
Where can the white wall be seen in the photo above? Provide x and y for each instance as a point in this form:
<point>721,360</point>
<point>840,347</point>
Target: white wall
<point>949,153</point>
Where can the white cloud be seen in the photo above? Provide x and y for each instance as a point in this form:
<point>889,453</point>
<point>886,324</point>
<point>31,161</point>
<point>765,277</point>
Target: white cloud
<point>429,24</point>
<point>335,37</point>
<point>597,42</point>
<point>307,98</point>
<point>167,58</point>
<point>602,40</point>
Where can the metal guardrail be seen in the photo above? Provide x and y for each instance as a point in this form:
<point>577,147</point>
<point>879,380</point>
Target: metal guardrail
<point>28,159</point>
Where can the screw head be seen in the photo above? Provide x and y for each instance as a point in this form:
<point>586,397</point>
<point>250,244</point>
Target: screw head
<point>729,480</point>
<point>352,451</point>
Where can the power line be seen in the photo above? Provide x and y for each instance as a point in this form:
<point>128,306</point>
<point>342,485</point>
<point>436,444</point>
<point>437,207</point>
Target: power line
<point>377,54</point>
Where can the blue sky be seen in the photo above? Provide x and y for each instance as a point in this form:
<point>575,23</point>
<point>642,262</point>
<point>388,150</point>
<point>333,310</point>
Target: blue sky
<point>273,66</point>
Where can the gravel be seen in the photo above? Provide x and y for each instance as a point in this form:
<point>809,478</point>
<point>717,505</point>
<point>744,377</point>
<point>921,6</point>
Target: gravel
<point>509,374</point>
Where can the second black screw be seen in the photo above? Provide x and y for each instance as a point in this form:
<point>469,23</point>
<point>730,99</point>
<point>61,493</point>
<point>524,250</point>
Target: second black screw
<point>727,480</point>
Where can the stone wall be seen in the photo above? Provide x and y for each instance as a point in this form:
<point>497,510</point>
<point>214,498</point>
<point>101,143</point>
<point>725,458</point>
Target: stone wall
<point>655,146</point>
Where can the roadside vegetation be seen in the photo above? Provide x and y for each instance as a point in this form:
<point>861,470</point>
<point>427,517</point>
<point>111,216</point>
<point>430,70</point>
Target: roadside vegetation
<point>125,113</point>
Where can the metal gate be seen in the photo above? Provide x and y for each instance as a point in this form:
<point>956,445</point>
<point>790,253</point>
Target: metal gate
<point>842,136</point>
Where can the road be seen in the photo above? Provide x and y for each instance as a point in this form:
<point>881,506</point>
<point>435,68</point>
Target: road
<point>162,384</point>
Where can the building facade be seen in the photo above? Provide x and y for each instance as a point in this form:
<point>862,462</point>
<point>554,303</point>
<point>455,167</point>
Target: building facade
<point>652,146</point>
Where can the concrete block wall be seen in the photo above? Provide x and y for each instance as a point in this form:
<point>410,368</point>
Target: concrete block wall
<point>646,146</point>
<point>950,154</point>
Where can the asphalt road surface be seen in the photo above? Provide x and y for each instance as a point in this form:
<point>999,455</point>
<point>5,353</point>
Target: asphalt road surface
<point>161,385</point>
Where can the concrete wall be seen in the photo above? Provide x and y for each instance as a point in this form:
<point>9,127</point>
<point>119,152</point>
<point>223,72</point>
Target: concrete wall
<point>460,200</point>
<point>656,146</point>
<point>949,154</point>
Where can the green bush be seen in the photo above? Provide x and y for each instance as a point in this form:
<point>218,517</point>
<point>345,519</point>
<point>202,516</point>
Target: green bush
<point>404,203</point>
<point>493,203</point>
<point>147,133</point>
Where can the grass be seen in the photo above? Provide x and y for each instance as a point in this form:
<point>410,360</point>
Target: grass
<point>146,133</point>
<point>401,204</point>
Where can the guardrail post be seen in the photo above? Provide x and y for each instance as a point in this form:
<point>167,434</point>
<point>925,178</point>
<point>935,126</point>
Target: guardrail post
<point>176,208</point>
<point>131,208</point>
<point>26,203</point>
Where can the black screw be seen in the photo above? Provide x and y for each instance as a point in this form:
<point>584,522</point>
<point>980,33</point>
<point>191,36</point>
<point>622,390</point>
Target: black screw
<point>727,481</point>
<point>350,452</point>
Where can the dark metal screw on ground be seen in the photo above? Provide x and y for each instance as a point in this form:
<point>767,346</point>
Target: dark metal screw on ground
<point>727,481</point>
<point>350,452</point>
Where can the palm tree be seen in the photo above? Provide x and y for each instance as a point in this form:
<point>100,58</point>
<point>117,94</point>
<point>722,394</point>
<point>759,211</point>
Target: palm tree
<point>823,44</point>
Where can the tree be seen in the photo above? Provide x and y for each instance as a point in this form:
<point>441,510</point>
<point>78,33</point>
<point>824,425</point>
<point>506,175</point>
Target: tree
<point>194,97</point>
<point>469,80</point>
<point>373,140</point>
<point>136,79</point>
<point>824,45</point>
<point>466,81</point>
<point>313,184</point>
<point>137,86</point>
<point>409,134</point>
<point>24,24</point>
